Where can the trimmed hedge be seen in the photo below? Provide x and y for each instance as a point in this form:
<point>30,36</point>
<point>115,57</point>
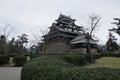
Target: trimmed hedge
<point>4,59</point>
<point>34,56</point>
<point>43,68</point>
<point>111,54</point>
<point>38,55</point>
<point>76,59</point>
<point>65,67</point>
<point>17,54</point>
<point>19,60</point>
<point>91,74</point>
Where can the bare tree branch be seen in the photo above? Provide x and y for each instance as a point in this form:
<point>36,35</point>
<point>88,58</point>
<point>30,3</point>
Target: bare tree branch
<point>6,31</point>
<point>37,34</point>
<point>94,20</point>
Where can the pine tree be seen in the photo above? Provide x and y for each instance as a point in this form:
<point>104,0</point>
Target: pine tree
<point>111,44</point>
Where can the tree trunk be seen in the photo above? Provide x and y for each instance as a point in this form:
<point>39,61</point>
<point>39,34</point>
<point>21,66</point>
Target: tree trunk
<point>5,47</point>
<point>89,49</point>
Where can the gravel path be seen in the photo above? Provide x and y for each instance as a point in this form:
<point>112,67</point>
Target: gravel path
<point>10,73</point>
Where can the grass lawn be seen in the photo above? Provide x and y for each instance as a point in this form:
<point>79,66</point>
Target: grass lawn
<point>110,62</point>
<point>11,60</point>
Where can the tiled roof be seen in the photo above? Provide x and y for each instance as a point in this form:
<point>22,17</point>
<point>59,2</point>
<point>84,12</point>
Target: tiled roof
<point>82,39</point>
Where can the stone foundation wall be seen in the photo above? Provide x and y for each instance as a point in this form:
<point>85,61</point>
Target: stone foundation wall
<point>60,48</point>
<point>57,48</point>
<point>78,51</point>
<point>82,51</point>
<point>93,51</point>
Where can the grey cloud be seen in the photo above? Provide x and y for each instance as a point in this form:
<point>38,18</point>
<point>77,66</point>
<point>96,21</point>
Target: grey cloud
<point>26,14</point>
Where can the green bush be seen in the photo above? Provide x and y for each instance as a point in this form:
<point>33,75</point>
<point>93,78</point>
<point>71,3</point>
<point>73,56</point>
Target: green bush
<point>38,55</point>
<point>19,60</point>
<point>95,56</point>
<point>64,67</point>
<point>4,59</point>
<point>76,59</point>
<point>12,54</point>
<point>17,54</point>
<point>111,54</point>
<point>91,74</point>
<point>34,56</point>
<point>43,68</point>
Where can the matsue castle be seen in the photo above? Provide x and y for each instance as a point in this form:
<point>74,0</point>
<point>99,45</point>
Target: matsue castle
<point>65,36</point>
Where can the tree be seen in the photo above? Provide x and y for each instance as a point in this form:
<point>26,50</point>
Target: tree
<point>116,30</point>
<point>38,33</point>
<point>11,46</point>
<point>117,23</point>
<point>38,45</point>
<point>20,42</point>
<point>22,39</point>
<point>111,44</point>
<point>18,46</point>
<point>6,31</point>
<point>93,22</point>
<point>2,51</point>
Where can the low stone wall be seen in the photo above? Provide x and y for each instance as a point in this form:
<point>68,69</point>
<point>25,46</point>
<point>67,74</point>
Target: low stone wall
<point>82,50</point>
<point>78,51</point>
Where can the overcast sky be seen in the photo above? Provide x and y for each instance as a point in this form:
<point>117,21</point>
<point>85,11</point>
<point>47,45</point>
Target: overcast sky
<point>26,15</point>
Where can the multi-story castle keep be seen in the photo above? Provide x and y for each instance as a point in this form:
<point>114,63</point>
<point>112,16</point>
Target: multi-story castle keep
<point>65,36</point>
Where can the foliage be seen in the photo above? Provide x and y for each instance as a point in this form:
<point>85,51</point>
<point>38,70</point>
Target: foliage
<point>17,46</point>
<point>13,46</point>
<point>111,44</point>
<point>2,51</point>
<point>97,56</point>
<point>17,54</point>
<point>117,23</point>
<point>4,59</point>
<point>22,39</point>
<point>19,60</point>
<point>76,59</point>
<point>38,48</point>
<point>5,32</point>
<point>45,54</point>
<point>64,67</point>
<point>110,54</point>
<point>48,67</point>
<point>34,55</point>
<point>91,74</point>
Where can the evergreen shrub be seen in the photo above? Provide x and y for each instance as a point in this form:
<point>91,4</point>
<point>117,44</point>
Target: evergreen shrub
<point>97,56</point>
<point>65,67</point>
<point>17,54</point>
<point>78,73</point>
<point>34,56</point>
<point>111,54</point>
<point>76,59</point>
<point>4,59</point>
<point>19,60</point>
